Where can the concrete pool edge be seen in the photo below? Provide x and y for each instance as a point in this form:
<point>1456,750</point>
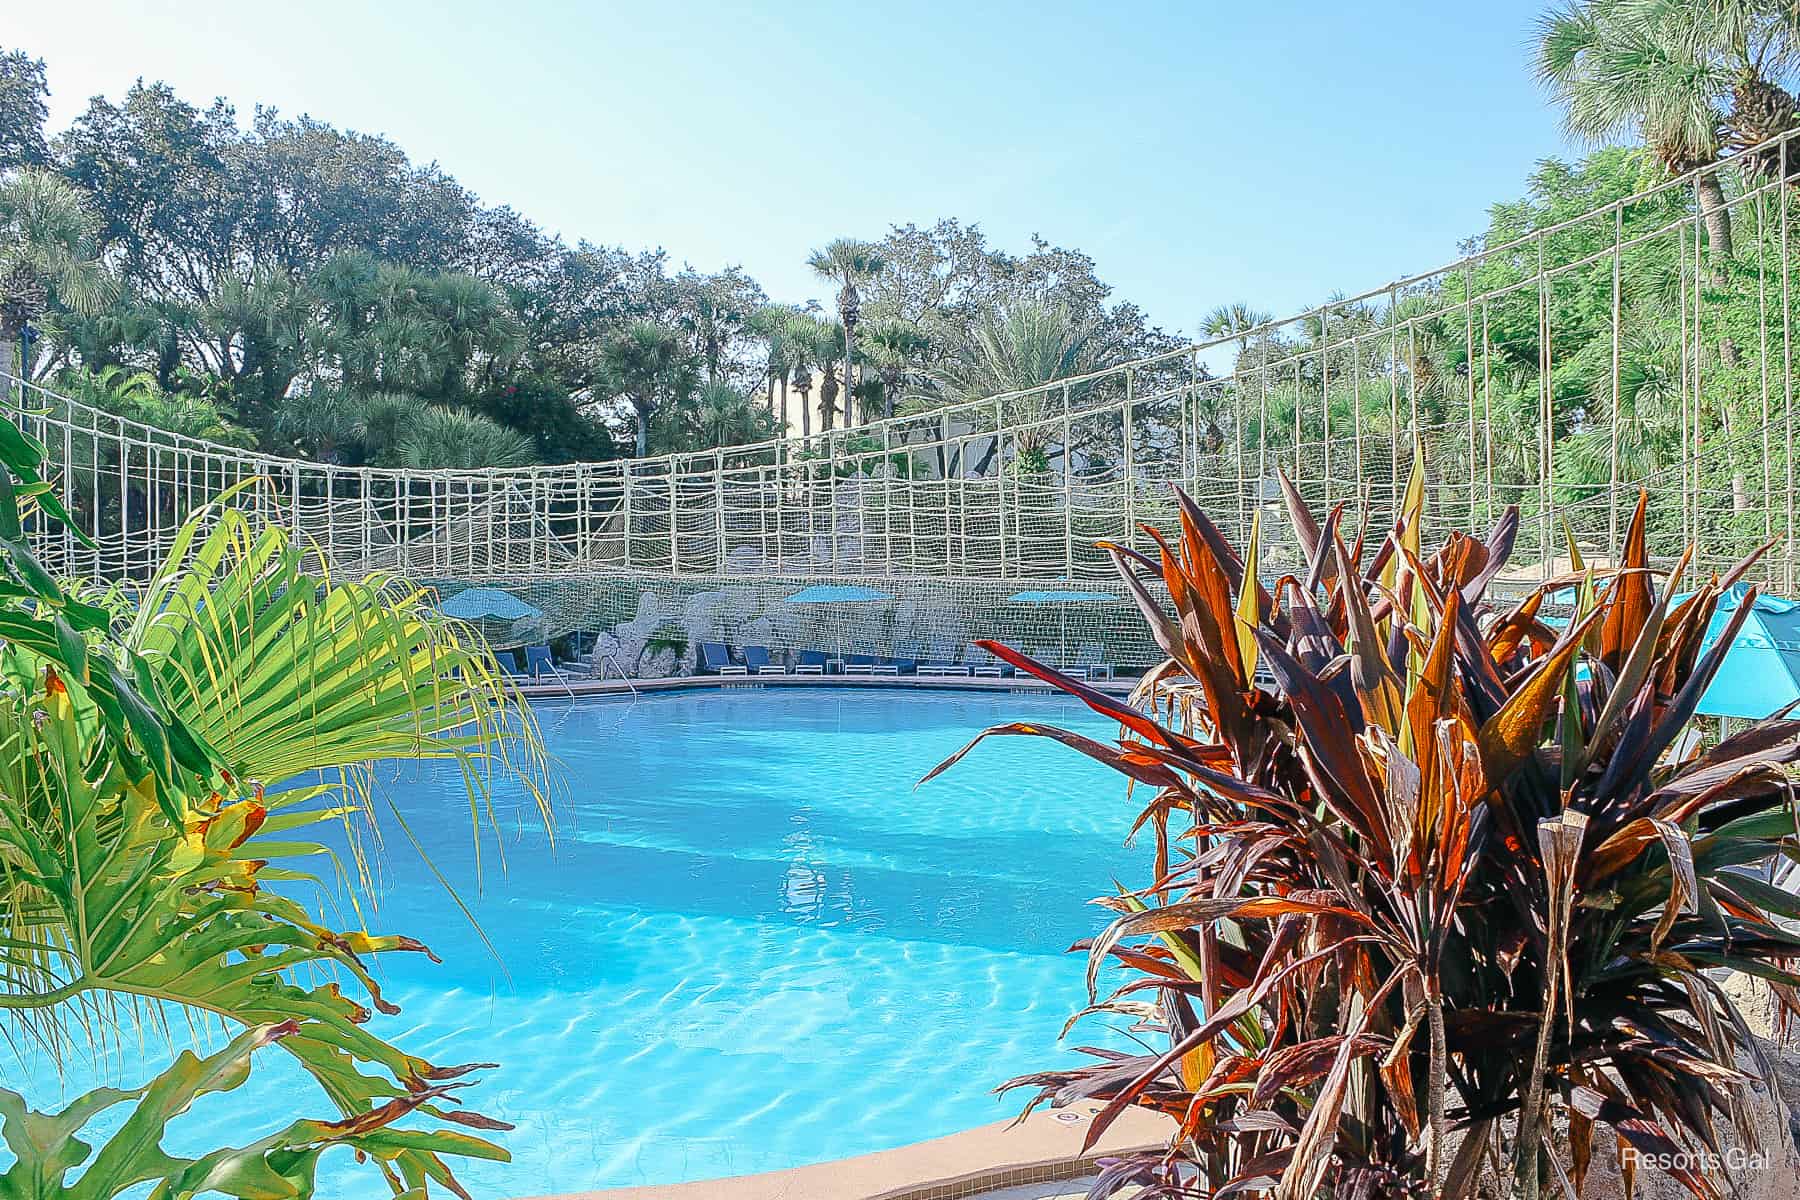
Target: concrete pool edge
<point>582,688</point>
<point>1044,1147</point>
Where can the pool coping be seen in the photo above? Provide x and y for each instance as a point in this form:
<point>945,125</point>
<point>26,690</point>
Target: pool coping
<point>1044,1147</point>
<point>581,688</point>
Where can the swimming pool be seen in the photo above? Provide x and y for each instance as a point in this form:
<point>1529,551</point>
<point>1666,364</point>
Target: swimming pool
<point>754,945</point>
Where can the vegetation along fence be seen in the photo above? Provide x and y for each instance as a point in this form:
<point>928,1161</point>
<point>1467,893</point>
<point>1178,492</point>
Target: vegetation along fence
<point>1648,344</point>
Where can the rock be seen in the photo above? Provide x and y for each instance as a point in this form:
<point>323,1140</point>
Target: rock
<point>657,663</point>
<point>632,636</point>
<point>606,656</point>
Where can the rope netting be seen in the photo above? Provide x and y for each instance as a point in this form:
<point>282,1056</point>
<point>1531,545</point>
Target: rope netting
<point>1521,372</point>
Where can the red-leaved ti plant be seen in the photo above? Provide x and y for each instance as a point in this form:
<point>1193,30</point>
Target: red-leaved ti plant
<point>1442,894</point>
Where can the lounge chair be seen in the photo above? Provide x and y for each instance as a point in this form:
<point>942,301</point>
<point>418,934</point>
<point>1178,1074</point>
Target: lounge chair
<point>909,654</point>
<point>539,663</point>
<point>943,669</point>
<point>809,662</point>
<point>715,659</point>
<point>1090,659</point>
<point>757,659</point>
<point>868,664</point>
<point>983,665</point>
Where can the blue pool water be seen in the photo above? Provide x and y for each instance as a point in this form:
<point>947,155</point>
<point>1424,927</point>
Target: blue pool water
<point>754,944</point>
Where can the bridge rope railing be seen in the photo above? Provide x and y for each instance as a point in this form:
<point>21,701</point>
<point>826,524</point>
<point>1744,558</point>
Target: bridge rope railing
<point>1560,372</point>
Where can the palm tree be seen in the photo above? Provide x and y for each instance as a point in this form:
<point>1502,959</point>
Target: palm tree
<point>801,337</point>
<point>1019,350</point>
<point>323,422</point>
<point>770,323</point>
<point>456,440</point>
<point>728,418</point>
<point>1234,320</point>
<point>826,349</point>
<point>648,367</point>
<point>847,261</point>
<point>894,346</point>
<point>231,648</point>
<point>387,420</point>
<point>1624,67</point>
<point>47,254</point>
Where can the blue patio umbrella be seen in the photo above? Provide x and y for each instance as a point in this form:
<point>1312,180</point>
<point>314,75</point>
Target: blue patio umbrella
<point>836,593</point>
<point>1761,671</point>
<point>1059,597</point>
<point>1062,598</point>
<point>488,604</point>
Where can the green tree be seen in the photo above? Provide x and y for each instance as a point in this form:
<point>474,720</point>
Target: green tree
<point>894,347</point>
<point>847,262</point>
<point>1234,320</point>
<point>770,323</point>
<point>47,256</point>
<point>820,345</point>
<point>647,367</point>
<point>448,438</point>
<point>729,417</point>
<point>22,110</point>
<point>1686,78</point>
<point>1017,351</point>
<point>800,338</point>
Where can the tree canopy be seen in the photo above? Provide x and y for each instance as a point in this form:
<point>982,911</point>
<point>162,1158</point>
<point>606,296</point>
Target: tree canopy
<point>289,276</point>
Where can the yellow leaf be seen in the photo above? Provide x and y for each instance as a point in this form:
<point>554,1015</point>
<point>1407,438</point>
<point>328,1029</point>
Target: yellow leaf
<point>1247,609</point>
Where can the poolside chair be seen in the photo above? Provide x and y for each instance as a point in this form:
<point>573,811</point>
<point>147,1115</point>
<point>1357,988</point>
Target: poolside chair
<point>539,664</point>
<point>757,659</point>
<point>907,654</point>
<point>939,669</point>
<point>1091,659</point>
<point>715,659</point>
<point>860,664</point>
<point>984,665</point>
<point>509,662</point>
<point>809,662</point>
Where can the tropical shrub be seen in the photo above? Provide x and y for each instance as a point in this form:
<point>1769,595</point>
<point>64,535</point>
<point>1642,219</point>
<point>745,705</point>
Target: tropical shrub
<point>138,846</point>
<point>1426,875</point>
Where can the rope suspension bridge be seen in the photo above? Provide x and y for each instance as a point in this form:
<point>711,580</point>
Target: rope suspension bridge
<point>1527,373</point>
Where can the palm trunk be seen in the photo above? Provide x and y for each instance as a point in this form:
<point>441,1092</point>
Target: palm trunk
<point>849,369</point>
<point>10,393</point>
<point>643,431</point>
<point>805,412</point>
<point>1714,212</point>
<point>1711,195</point>
<point>784,406</point>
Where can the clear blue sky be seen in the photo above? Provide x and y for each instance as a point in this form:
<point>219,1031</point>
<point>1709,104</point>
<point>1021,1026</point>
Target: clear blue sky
<point>1271,152</point>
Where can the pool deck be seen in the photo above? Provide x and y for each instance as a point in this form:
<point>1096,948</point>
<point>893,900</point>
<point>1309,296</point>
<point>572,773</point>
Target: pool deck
<point>1045,1147</point>
<point>1025,685</point>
